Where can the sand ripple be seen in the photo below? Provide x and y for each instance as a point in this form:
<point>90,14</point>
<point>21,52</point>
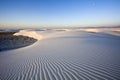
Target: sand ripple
<point>51,68</point>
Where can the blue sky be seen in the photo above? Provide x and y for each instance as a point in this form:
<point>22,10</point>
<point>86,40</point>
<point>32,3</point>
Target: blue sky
<point>60,12</point>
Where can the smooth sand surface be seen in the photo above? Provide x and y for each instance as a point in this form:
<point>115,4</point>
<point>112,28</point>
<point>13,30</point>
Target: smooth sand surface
<point>71,55</point>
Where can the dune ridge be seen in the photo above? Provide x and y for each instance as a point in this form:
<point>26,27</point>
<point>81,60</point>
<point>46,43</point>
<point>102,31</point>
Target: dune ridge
<point>32,34</point>
<point>90,30</point>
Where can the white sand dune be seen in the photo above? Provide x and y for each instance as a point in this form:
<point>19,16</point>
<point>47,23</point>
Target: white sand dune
<point>32,34</point>
<point>111,31</point>
<point>66,56</point>
<point>118,30</point>
<point>90,30</point>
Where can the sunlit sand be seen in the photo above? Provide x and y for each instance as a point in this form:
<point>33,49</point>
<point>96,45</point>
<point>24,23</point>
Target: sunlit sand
<point>32,34</point>
<point>91,30</point>
<point>118,30</point>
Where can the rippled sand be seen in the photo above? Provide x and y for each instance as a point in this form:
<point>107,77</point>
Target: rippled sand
<point>72,55</point>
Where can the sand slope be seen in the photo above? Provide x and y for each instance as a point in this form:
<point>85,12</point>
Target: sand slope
<point>73,56</point>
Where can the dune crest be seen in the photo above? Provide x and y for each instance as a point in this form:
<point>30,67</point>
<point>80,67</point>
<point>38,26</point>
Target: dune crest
<point>91,30</point>
<point>118,30</point>
<point>32,34</point>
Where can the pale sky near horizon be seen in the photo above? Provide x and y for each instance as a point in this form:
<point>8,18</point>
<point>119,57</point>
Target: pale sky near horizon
<point>60,12</point>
